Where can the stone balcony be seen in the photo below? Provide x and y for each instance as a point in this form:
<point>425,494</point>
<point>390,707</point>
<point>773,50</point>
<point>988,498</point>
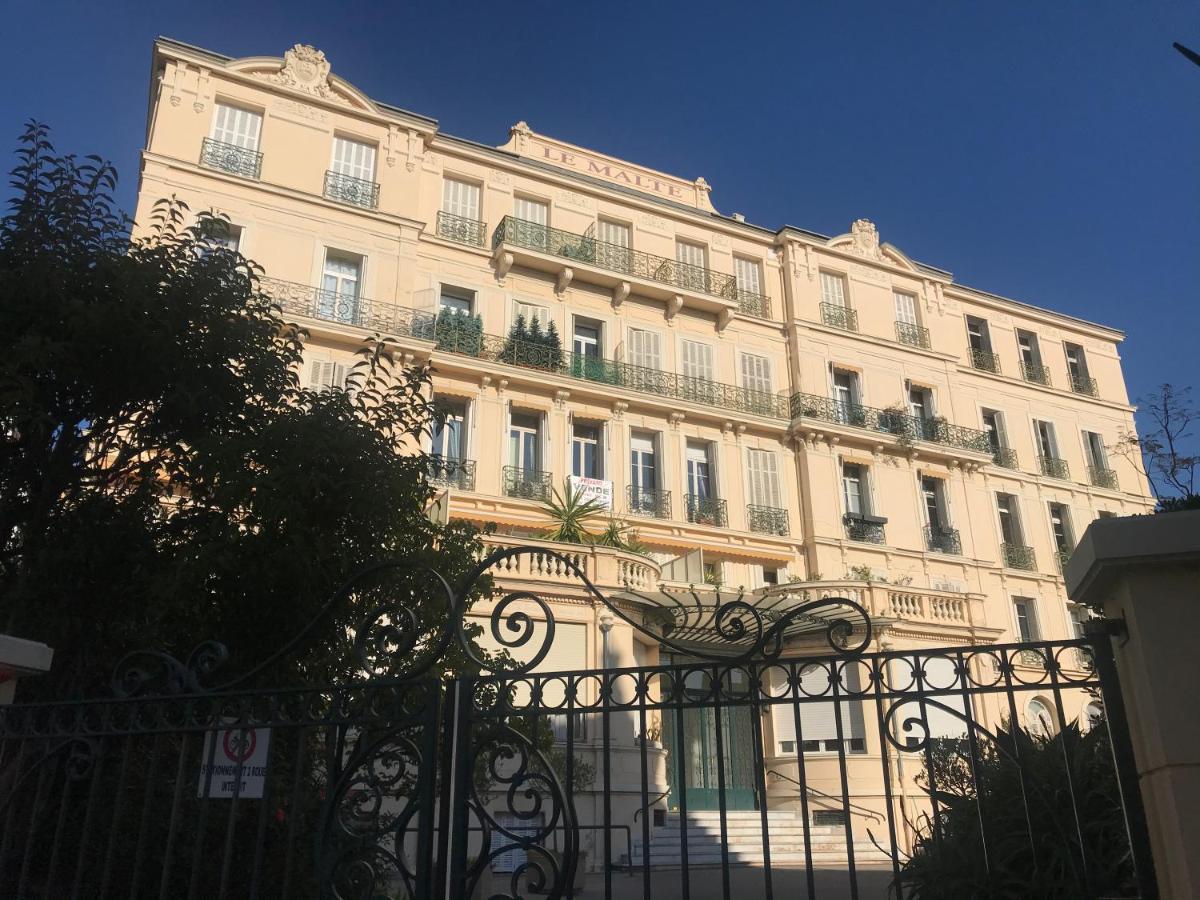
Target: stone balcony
<point>608,569</point>
<point>902,603</point>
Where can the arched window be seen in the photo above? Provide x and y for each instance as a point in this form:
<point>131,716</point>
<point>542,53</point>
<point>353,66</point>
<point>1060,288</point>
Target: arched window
<point>1038,720</point>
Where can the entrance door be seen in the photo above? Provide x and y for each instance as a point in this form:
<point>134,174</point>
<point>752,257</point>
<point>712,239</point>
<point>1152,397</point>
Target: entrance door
<point>699,745</point>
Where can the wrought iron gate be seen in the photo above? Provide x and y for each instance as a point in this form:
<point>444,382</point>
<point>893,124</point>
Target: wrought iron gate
<point>856,772</point>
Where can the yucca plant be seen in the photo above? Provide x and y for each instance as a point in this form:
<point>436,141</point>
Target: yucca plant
<point>571,512</point>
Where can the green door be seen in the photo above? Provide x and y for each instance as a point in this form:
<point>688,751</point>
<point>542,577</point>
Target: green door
<point>699,746</point>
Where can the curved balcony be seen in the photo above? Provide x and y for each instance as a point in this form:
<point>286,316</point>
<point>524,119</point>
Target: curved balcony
<point>1101,476</point>
<point>984,360</point>
<point>943,540</point>
<point>865,529</point>
<point>752,304</point>
<point>1006,457</point>
<point>1035,373</point>
<point>767,520</point>
<point>913,335</point>
<point>443,471</point>
<point>607,568</point>
<point>230,158</point>
<point>707,510</point>
<point>836,316</point>
<point>648,502</point>
<point>1085,384</point>
<point>526,484</point>
<point>1053,467</point>
<point>348,189</point>
<point>570,255</point>
<point>1017,556</point>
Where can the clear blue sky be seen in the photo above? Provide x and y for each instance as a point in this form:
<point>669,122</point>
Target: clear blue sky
<point>1046,151</point>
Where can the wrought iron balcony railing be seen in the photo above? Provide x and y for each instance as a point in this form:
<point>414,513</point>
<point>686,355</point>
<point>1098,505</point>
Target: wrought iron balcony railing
<point>1035,373</point>
<point>348,309</point>
<point>1005,457</point>
<point>1054,467</point>
<point>913,335</point>
<point>648,502</point>
<point>985,360</point>
<point>1063,557</point>
<point>583,248</point>
<point>943,540</point>
<point>706,510</point>
<point>526,484</point>
<point>864,530</point>
<point>461,230</point>
<point>767,520</point>
<point>890,421</point>
<point>752,304</point>
<point>836,316</point>
<point>445,471</point>
<point>611,372</point>
<point>1085,384</point>
<point>348,189</point>
<point>230,158</point>
<point>1017,556</point>
<point>1102,477</point>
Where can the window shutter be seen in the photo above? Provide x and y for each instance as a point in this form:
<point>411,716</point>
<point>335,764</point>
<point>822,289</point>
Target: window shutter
<point>459,198</point>
<point>756,373</point>
<point>817,718</point>
<point>353,158</point>
<point>689,253</point>
<point>697,360</point>
<point>833,289</point>
<point>764,478</point>
<point>531,210</point>
<point>748,274</point>
<point>614,233</point>
<point>531,311</point>
<point>906,307</point>
<point>643,349</point>
<point>240,127</point>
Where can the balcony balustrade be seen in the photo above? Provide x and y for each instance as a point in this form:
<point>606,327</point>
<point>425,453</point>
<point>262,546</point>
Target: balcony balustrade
<point>1054,467</point>
<point>586,249</point>
<point>603,566</point>
<point>985,360</point>
<point>752,304</point>
<point>648,502</point>
<point>348,189</point>
<point>943,540</point>
<point>526,484</point>
<point>445,471</point>
<point>1085,384</point>
<point>889,421</point>
<point>913,604</point>
<point>347,309</point>
<point>1017,556</point>
<point>706,510</point>
<point>1035,373</point>
<point>230,158</point>
<point>836,316</point>
<point>913,335</point>
<point>867,530</point>
<point>1101,476</point>
<point>461,230</point>
<point>1005,457</point>
<point>767,520</point>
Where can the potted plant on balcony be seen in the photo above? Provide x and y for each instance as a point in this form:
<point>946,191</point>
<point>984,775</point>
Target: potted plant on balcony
<point>571,512</point>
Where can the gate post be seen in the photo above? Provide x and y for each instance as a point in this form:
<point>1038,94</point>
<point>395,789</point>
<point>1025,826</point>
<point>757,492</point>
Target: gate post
<point>456,769</point>
<point>1144,573</point>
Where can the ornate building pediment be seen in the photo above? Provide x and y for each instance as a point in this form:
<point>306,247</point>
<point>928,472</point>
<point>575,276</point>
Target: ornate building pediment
<point>863,241</point>
<point>306,70</point>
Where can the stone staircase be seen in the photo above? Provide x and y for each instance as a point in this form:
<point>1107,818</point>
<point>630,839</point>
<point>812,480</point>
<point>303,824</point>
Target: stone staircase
<point>744,841</point>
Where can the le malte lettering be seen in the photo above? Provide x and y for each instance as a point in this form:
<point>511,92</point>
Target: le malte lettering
<point>612,172</point>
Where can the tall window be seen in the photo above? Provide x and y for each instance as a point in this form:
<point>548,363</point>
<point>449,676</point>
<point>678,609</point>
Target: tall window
<point>978,335</point>
<point>993,424</point>
<point>353,158</point>
<point>1076,363</point>
<point>1027,343</point>
<point>756,373</point>
<point>833,289</point>
<point>1096,454</point>
<point>1060,527</point>
<point>617,233</point>
<point>585,341</point>
<point>643,473</point>
<point>854,490</point>
<point>615,240</point>
<point>237,126</point>
<point>457,301</point>
<point>1010,521</point>
<point>1047,445</point>
<point>697,360</point>
<point>524,440</point>
<point>699,470</point>
<point>449,433</point>
<point>845,395</point>
<point>340,286</point>
<point>643,349</point>
<point>933,491</point>
<point>690,254</point>
<point>920,402</point>
<point>1026,620</point>
<point>763,477</point>
<point>324,374</point>
<point>906,307</point>
<point>531,210</point>
<point>748,274</point>
<point>460,198</point>
<point>585,451</point>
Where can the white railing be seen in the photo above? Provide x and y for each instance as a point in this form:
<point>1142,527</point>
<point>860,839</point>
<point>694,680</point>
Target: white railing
<point>603,566</point>
<point>899,602</point>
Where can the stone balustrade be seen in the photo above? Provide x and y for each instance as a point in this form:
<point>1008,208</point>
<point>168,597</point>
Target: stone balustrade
<point>605,567</point>
<point>890,601</point>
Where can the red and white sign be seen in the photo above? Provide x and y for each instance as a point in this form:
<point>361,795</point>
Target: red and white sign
<point>594,489</point>
<point>239,751</point>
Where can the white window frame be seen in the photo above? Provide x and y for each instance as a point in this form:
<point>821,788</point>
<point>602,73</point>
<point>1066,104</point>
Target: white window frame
<point>841,297</point>
<point>641,360</point>
<point>1053,435</point>
<point>748,274</point>
<point>1015,517</point>
<point>456,205</point>
<point>697,359</point>
<point>758,381</point>
<point>247,139</point>
<point>362,169</point>
<point>915,319</point>
<point>762,481</point>
<point>531,202</point>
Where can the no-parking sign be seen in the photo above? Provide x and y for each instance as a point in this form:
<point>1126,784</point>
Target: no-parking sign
<point>239,750</point>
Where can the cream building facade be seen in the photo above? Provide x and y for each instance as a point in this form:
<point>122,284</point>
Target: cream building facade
<point>771,409</point>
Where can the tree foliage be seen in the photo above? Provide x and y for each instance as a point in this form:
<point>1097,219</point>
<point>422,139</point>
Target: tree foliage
<point>1032,817</point>
<point>164,479</point>
<point>1165,452</point>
